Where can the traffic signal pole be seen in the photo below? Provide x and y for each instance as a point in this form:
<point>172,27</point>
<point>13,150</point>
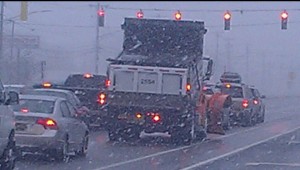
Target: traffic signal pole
<point>1,29</point>
<point>97,42</point>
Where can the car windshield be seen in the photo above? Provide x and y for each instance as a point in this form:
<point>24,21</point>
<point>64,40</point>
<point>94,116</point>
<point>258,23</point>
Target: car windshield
<point>49,93</point>
<point>34,106</point>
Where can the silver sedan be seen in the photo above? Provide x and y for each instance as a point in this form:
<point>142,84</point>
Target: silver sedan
<point>48,125</point>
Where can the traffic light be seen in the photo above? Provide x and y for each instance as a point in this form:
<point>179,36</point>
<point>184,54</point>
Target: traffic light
<point>178,16</point>
<point>227,18</point>
<point>101,15</point>
<point>284,19</point>
<point>24,11</point>
<point>140,14</point>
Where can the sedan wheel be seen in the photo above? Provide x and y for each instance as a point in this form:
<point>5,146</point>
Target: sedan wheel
<point>84,147</point>
<point>8,157</point>
<point>63,153</point>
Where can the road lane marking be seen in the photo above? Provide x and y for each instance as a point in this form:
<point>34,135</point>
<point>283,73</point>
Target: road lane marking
<point>272,164</point>
<point>172,150</point>
<point>238,150</point>
<point>141,158</point>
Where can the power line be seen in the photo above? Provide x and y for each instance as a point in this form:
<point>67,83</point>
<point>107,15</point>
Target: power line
<point>259,24</point>
<point>57,25</point>
<point>201,10</point>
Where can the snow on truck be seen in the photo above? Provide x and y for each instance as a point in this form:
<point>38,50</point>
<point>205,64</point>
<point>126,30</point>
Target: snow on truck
<point>155,82</point>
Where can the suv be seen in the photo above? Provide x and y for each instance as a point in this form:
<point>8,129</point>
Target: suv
<point>7,129</point>
<point>243,107</point>
<point>259,103</point>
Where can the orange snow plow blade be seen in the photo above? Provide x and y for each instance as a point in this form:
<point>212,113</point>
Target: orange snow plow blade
<point>211,107</point>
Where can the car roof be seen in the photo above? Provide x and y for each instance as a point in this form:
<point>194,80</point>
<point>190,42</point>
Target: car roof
<point>40,97</point>
<point>14,85</point>
<point>54,90</point>
<point>232,84</point>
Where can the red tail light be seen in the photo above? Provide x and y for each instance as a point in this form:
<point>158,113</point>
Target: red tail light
<point>245,103</point>
<point>101,98</point>
<point>156,118</point>
<point>107,83</point>
<point>188,87</point>
<point>255,101</point>
<point>48,123</point>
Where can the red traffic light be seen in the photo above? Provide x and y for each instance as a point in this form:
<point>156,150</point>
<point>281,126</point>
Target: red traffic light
<point>284,15</point>
<point>140,14</point>
<point>101,12</point>
<point>227,15</point>
<point>178,15</point>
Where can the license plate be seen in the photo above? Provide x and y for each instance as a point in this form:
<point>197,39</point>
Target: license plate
<point>21,127</point>
<point>131,119</point>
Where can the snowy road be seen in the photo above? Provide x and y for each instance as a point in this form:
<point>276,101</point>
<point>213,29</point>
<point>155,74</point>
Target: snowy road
<point>282,117</point>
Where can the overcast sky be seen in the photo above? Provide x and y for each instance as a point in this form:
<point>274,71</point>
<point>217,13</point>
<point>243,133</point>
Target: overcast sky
<point>68,35</point>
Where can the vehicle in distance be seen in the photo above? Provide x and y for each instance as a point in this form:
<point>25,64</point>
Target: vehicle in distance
<point>243,107</point>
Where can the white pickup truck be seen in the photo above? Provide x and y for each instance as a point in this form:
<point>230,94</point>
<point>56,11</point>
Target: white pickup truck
<point>7,129</point>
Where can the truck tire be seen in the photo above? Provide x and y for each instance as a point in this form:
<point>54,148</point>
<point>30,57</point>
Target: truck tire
<point>262,118</point>
<point>249,119</point>
<point>183,135</point>
<point>113,136</point>
<point>124,134</point>
<point>226,123</point>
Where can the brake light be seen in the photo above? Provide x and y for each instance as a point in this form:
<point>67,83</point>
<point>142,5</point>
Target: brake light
<point>107,83</point>
<point>48,123</point>
<point>47,84</point>
<point>188,87</point>
<point>101,98</point>
<point>245,103</point>
<point>255,101</point>
<point>156,118</point>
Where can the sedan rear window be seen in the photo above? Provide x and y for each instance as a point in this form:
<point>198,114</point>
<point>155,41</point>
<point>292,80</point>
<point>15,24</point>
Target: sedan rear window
<point>235,92</point>
<point>35,106</point>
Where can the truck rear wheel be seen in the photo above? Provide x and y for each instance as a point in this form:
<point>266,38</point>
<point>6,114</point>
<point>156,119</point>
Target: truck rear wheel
<point>124,134</point>
<point>183,135</point>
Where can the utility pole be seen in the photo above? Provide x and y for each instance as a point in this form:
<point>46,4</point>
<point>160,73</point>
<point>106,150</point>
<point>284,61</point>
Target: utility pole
<point>247,63</point>
<point>217,52</point>
<point>228,68</point>
<point>97,41</point>
<point>1,29</point>
<point>12,42</point>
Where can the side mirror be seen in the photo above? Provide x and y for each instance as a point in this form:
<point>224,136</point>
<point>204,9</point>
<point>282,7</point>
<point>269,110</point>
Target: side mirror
<point>13,98</point>
<point>2,96</point>
<point>209,68</point>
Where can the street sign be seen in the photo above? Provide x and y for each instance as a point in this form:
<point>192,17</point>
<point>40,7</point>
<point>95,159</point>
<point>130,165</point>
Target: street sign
<point>22,41</point>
